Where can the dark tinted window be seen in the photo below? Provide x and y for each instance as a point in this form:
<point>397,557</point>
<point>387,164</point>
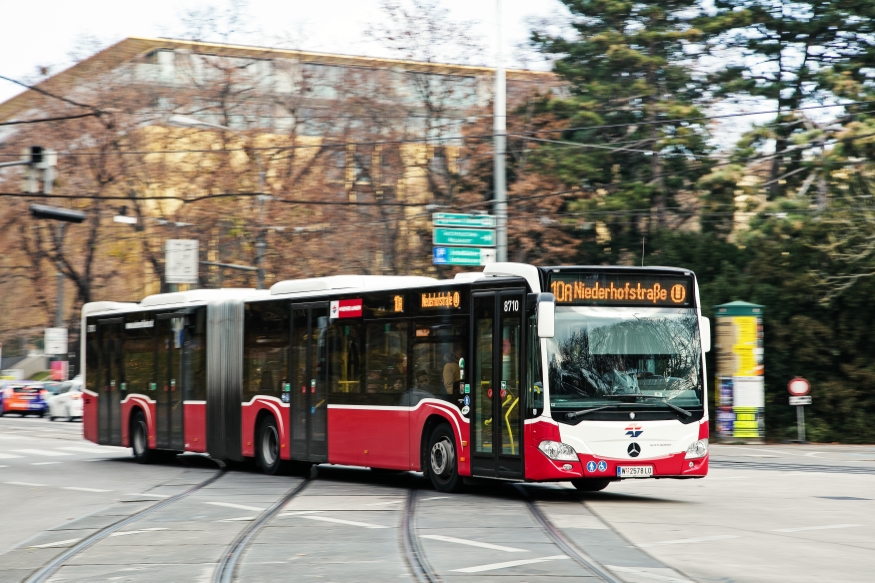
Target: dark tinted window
<point>265,349</point>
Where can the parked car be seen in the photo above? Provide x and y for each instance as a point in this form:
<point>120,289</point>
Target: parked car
<point>24,397</point>
<point>67,401</point>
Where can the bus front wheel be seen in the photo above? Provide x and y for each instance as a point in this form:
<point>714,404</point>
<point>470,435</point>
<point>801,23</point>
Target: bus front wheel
<point>441,460</point>
<point>590,485</point>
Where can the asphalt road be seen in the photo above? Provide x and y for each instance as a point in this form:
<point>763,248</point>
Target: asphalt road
<point>764,513</point>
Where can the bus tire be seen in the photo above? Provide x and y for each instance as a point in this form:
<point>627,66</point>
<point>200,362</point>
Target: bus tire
<point>139,432</point>
<point>441,460</point>
<point>267,449</point>
<point>590,484</point>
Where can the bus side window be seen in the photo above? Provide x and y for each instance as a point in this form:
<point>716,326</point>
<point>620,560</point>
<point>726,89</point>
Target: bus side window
<point>535,377</point>
<point>265,349</point>
<point>344,355</point>
<point>386,357</point>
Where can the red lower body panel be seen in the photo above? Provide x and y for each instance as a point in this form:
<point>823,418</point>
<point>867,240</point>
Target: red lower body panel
<point>89,417</point>
<point>195,426</point>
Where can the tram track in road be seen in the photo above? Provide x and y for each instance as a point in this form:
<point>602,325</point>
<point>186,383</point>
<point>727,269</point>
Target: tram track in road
<point>51,567</point>
<point>413,553</point>
<point>560,540</point>
<point>226,569</point>
<point>782,467</point>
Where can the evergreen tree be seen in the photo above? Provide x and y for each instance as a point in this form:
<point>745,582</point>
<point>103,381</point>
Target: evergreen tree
<point>789,52</point>
<point>628,65</point>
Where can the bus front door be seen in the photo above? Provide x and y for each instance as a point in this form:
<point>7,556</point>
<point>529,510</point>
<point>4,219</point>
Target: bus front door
<point>169,393</point>
<point>309,367</point>
<point>496,393</point>
<point>110,332</point>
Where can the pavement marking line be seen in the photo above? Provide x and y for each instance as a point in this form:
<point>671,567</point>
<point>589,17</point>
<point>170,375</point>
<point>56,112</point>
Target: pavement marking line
<point>384,503</point>
<point>153,495</point>
<point>298,513</point>
<point>4,466</point>
<point>681,541</point>
<point>59,543</point>
<point>649,574</point>
<point>434,498</point>
<point>815,527</point>
<point>127,532</point>
<point>349,522</point>
<point>472,543</point>
<point>92,450</point>
<point>242,518</point>
<point>44,463</point>
<point>237,506</point>
<point>84,489</point>
<point>25,484</point>
<point>494,566</point>
<point>8,456</point>
<point>43,452</point>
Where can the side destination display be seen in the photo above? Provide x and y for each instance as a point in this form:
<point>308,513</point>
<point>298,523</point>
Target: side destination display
<point>620,289</point>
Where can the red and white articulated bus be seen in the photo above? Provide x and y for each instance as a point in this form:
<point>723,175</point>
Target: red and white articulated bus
<point>587,374</point>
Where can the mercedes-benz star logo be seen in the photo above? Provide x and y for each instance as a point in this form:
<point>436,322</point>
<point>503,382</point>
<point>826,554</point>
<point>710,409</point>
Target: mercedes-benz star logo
<point>634,450</point>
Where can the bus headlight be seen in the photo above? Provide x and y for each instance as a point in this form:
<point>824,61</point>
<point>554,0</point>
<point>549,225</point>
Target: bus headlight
<point>556,450</point>
<point>697,449</point>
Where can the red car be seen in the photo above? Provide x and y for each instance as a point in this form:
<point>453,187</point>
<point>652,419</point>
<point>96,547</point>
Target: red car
<point>24,397</point>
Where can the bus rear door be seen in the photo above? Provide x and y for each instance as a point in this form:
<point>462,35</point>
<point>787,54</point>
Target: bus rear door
<point>110,332</point>
<point>496,397</point>
<point>168,407</point>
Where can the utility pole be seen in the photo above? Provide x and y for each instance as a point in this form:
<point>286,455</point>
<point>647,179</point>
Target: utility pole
<point>499,124</point>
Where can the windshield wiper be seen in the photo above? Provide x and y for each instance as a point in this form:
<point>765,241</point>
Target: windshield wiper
<point>683,412</point>
<point>586,411</point>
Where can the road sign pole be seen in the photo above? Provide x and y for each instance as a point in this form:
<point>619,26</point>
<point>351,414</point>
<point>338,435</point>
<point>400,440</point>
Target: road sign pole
<point>800,422</point>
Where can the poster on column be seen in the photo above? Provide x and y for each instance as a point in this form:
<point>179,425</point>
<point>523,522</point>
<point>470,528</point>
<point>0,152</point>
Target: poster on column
<point>739,386</point>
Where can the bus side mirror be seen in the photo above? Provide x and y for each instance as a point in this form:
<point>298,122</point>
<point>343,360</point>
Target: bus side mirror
<point>705,331</point>
<point>546,315</point>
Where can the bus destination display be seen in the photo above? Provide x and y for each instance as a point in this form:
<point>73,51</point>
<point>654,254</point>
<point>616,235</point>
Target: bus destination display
<point>618,289</point>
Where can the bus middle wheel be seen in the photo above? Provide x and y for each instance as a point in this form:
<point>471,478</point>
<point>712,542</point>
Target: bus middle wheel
<point>441,460</point>
<point>268,446</point>
<point>139,432</point>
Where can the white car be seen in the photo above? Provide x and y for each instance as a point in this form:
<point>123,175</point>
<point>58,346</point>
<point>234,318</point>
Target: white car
<point>67,402</point>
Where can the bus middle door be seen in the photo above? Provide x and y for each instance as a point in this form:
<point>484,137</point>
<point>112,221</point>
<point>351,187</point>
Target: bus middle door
<point>496,425</point>
<point>169,397</point>
<point>110,332</point>
<point>309,407</point>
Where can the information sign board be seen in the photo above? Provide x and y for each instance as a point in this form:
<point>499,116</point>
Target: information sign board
<point>468,237</point>
<point>462,256</point>
<point>801,400</point>
<point>56,341</point>
<point>460,220</point>
<point>181,261</point>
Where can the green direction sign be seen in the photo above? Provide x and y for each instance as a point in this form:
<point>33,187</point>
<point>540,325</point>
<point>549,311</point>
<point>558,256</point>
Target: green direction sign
<point>462,256</point>
<point>460,220</point>
<point>470,237</point>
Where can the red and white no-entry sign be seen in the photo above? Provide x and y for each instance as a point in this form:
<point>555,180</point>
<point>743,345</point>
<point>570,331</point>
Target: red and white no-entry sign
<point>798,387</point>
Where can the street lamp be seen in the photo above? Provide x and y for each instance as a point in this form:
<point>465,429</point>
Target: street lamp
<point>261,239</point>
<point>64,216</point>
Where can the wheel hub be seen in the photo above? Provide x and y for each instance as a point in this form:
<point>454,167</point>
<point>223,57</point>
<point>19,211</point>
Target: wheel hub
<point>442,457</point>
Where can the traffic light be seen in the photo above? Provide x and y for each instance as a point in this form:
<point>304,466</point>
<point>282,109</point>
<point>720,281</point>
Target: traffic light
<point>41,211</point>
<point>41,164</point>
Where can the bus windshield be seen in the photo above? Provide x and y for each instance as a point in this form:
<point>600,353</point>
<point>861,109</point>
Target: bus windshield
<point>627,357</point>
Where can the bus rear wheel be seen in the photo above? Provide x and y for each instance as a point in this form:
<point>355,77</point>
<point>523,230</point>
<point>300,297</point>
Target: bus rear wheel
<point>268,446</point>
<point>441,460</point>
<point>590,485</point>
<point>140,439</point>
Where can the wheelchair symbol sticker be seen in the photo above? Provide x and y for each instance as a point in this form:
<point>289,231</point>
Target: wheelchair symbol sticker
<point>603,466</point>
